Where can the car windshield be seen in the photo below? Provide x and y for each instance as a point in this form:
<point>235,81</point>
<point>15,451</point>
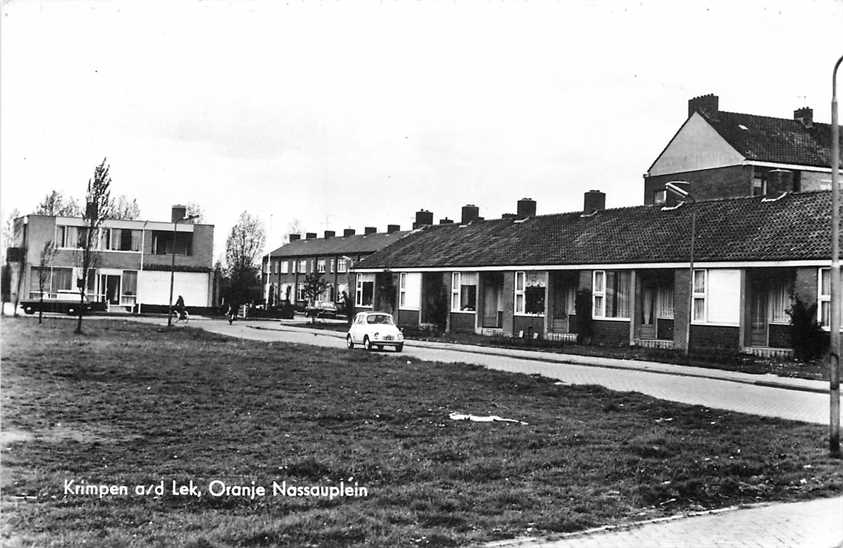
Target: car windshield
<point>379,318</point>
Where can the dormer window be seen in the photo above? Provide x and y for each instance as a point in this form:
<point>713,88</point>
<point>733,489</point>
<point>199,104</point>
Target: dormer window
<point>660,197</point>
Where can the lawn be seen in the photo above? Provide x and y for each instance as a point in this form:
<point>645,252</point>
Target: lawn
<point>132,404</point>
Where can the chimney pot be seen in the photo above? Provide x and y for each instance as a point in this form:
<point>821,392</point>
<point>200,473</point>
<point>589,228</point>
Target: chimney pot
<point>526,208</point>
<point>804,115</point>
<point>445,221</point>
<point>310,236</point>
<point>369,230</point>
<point>470,212</point>
<point>392,228</point>
<point>594,200</point>
<point>704,104</point>
<point>348,232</point>
<point>179,212</point>
<point>330,234</point>
<point>423,217</point>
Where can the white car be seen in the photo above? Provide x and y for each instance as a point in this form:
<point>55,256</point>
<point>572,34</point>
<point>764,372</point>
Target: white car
<point>374,329</point>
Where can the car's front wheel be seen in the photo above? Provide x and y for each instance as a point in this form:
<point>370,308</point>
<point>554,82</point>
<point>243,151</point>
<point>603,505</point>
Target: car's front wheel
<point>29,309</point>
<point>71,310</point>
<point>349,342</point>
<point>367,344</point>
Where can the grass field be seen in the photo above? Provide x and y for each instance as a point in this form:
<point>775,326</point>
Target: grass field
<point>131,404</point>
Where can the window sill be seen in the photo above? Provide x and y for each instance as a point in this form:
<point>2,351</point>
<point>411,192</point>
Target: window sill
<point>528,315</point>
<point>602,319</point>
<point>711,324</point>
<point>463,312</point>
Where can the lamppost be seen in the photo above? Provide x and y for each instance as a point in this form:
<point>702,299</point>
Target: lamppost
<point>834,351</point>
<point>173,266</point>
<point>676,188</point>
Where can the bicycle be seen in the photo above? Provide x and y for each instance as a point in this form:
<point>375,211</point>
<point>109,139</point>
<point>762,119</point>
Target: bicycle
<point>180,316</point>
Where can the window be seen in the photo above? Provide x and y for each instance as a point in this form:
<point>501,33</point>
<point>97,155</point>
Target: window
<point>699,295</point>
<point>824,308</point>
<point>285,267</point>
<point>275,266</point>
<point>162,243</point>
<point>464,292</point>
<point>320,266</point>
<point>331,265</point>
<point>39,278</point>
<point>409,290</point>
<point>341,288</point>
<point>519,292</point>
<point>660,197</point>
<point>611,294</point>
<point>717,296</point>
<point>759,185</point>
<point>664,302</point>
<point>300,296</point>
<point>341,265</point>
<point>530,292</point>
<point>302,268</point>
<point>779,301</point>
<point>62,280</point>
<point>365,290</point>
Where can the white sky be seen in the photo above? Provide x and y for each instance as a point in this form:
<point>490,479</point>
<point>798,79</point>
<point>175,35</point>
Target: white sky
<point>350,113</point>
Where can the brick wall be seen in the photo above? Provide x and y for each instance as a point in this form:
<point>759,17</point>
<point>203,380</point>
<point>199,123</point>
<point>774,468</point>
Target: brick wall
<point>508,303</point>
<point>524,323</point>
<point>780,336</point>
<point>719,182</point>
<point>705,337</point>
<point>611,333</point>
<point>462,322</point>
<point>680,307</point>
<point>408,318</point>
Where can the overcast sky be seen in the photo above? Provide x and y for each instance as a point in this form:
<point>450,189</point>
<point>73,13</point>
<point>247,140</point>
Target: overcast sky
<point>348,113</point>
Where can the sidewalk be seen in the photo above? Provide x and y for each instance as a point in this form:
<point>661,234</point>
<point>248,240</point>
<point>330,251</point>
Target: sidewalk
<point>816,524</point>
<point>768,380</point>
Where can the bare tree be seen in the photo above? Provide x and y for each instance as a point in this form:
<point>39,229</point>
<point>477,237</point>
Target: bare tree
<point>97,209</point>
<point>124,208</point>
<point>45,264</point>
<point>56,203</point>
<point>243,249</point>
<point>314,286</point>
<point>6,275</point>
<point>194,208</point>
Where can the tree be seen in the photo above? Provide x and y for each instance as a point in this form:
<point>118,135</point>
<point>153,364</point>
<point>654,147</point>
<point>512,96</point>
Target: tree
<point>124,209</point>
<point>97,210</point>
<point>6,275</point>
<point>314,285</point>
<point>194,208</point>
<point>45,264</point>
<point>243,249</point>
<point>807,338</point>
<point>56,203</point>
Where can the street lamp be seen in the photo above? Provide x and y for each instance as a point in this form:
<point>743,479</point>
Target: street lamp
<point>676,187</point>
<point>834,351</point>
<point>173,266</point>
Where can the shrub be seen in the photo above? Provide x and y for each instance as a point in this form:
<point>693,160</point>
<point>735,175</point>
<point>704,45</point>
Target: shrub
<point>806,336</point>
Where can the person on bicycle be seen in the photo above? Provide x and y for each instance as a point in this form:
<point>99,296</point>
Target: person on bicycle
<point>231,312</point>
<point>180,308</point>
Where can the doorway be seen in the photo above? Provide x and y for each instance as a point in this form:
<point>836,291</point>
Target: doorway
<point>110,288</point>
<point>759,321</point>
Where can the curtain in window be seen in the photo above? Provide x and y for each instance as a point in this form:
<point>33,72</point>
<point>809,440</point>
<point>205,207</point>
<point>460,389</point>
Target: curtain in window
<point>62,279</point>
<point>130,282</point>
<point>664,302</point>
<point>779,301</point>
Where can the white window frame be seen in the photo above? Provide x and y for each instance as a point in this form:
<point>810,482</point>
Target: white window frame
<point>455,292</point>
<point>707,298</point>
<point>320,266</point>
<point>358,293</point>
<point>522,275</point>
<point>598,291</point>
<point>402,290</point>
<point>285,267</point>
<point>824,298</point>
<point>302,266</point>
<point>700,295</point>
<point>342,265</point>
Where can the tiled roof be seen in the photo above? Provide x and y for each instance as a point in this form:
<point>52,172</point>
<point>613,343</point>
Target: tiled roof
<point>796,226</point>
<point>778,140</point>
<point>359,243</point>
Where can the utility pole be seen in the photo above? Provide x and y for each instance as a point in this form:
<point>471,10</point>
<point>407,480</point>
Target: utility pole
<point>834,351</point>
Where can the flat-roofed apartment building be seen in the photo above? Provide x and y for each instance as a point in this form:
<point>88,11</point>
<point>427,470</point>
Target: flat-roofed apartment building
<point>132,261</point>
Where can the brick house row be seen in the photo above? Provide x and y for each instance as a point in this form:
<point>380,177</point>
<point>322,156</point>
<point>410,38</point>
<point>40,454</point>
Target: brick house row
<point>520,275</point>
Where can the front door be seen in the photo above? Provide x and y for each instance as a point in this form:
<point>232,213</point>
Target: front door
<point>647,329</point>
<point>110,288</point>
<point>758,315</point>
<point>490,305</point>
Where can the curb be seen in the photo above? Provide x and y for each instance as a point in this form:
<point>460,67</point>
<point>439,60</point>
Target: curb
<point>553,359</point>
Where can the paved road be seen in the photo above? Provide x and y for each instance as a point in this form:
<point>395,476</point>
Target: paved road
<point>811,524</point>
<point>716,393</point>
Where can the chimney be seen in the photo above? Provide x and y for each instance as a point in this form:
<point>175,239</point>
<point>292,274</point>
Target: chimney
<point>348,232</point>
<point>330,234</point>
<point>390,229</point>
<point>310,236</point>
<point>179,212</point>
<point>704,104</point>
<point>470,212</point>
<point>509,216</point>
<point>445,221</point>
<point>594,200</point>
<point>526,208</point>
<point>423,217</point>
<point>294,237</point>
<point>804,115</point>
<point>370,230</point>
<point>778,181</point>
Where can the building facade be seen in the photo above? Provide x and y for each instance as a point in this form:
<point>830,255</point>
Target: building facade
<point>628,267</point>
<point>131,266</point>
<point>728,154</point>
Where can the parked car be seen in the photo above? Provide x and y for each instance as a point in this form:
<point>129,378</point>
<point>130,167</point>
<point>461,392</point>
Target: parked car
<point>68,304</point>
<point>374,329</point>
<point>322,310</point>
